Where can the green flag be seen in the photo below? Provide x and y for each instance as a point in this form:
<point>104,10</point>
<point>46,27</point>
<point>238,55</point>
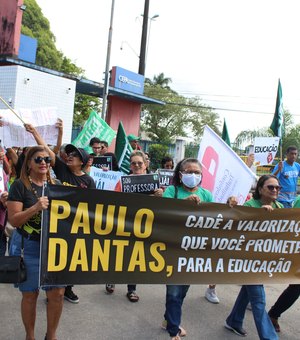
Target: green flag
<point>123,150</point>
<point>277,123</point>
<point>95,126</point>
<point>225,134</point>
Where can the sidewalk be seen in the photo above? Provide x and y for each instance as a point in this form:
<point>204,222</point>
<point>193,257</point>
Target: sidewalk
<point>99,316</point>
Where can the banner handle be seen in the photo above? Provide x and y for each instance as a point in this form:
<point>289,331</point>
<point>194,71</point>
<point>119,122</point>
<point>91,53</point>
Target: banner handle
<point>11,109</point>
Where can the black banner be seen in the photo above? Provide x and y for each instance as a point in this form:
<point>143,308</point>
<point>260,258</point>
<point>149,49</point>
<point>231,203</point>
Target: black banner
<point>96,236</point>
<point>103,162</point>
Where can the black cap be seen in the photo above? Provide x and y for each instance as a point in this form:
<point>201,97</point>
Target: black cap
<point>84,156</point>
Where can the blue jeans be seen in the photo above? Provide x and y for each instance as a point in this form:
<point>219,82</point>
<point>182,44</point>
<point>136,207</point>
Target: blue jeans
<point>32,262</point>
<point>174,300</point>
<point>256,295</point>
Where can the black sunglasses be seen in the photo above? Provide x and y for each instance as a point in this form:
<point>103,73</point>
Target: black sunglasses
<point>38,160</point>
<point>274,187</point>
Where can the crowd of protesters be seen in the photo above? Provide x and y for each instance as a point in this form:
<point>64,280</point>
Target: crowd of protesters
<point>27,173</point>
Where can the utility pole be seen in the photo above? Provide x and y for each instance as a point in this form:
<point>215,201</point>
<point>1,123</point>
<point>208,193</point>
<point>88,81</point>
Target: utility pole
<point>106,78</point>
<point>142,64</point>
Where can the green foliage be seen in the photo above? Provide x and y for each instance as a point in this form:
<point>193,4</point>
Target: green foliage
<point>191,150</point>
<point>157,152</point>
<point>291,134</point>
<point>84,105</point>
<point>248,136</point>
<point>159,80</point>
<point>180,116</point>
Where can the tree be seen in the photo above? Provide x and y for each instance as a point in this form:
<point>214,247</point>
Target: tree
<point>180,116</point>
<point>157,152</point>
<point>35,25</point>
<point>84,105</point>
<point>291,135</point>
<point>159,80</point>
<point>247,136</point>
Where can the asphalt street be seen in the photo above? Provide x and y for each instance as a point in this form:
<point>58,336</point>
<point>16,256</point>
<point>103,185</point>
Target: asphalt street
<point>99,316</point>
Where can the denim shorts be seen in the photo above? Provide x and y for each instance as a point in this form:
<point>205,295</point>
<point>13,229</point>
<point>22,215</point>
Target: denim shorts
<point>32,262</point>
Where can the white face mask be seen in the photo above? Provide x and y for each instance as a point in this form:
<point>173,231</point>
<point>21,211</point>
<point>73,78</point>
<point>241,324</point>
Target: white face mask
<point>191,180</point>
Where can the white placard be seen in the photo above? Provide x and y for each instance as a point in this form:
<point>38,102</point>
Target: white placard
<point>265,149</point>
<point>13,132</point>
<point>105,180</point>
<point>224,173</point>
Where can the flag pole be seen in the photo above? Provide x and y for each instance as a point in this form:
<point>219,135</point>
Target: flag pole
<point>11,109</point>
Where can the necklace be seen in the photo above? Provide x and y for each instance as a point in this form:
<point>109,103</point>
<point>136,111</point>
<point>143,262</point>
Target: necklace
<point>34,191</point>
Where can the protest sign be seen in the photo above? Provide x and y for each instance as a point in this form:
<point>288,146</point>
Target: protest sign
<point>224,174</point>
<point>13,132</point>
<point>165,177</point>
<point>105,180</point>
<point>140,184</point>
<point>92,236</point>
<point>95,126</point>
<point>101,162</point>
<point>265,149</point>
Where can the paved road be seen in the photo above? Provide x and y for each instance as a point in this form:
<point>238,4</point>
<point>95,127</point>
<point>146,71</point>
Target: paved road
<point>99,316</point>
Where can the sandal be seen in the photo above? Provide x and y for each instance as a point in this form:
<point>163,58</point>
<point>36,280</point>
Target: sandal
<point>110,288</point>
<point>132,297</point>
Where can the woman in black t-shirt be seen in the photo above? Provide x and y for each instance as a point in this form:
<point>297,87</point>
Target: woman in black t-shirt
<point>25,203</point>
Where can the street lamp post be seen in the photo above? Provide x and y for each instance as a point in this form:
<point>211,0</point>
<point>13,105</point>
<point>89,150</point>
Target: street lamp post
<point>106,78</point>
<point>148,38</point>
<point>142,65</point>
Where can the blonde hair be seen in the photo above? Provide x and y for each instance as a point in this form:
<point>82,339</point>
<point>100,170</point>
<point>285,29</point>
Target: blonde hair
<point>140,154</point>
<point>25,171</point>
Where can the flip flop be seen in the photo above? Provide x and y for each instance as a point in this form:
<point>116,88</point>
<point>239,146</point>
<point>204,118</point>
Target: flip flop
<point>132,297</point>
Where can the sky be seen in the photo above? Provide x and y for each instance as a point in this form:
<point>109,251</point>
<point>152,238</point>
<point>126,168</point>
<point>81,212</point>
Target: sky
<point>229,53</point>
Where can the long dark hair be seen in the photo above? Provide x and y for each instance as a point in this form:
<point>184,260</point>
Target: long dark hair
<point>180,167</point>
<point>260,184</point>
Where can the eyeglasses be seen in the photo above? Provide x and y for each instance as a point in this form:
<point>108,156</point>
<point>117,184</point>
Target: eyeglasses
<point>139,164</point>
<point>38,160</point>
<point>74,154</point>
<point>274,187</point>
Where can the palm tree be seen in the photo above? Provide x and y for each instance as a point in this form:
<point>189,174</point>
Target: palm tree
<point>247,136</point>
<point>159,80</point>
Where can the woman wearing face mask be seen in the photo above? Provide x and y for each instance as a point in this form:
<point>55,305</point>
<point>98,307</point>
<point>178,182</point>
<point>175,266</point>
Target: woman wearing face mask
<point>186,185</point>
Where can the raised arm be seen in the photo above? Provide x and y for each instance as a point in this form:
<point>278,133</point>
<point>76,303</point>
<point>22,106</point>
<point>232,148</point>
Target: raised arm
<point>60,127</point>
<point>40,141</point>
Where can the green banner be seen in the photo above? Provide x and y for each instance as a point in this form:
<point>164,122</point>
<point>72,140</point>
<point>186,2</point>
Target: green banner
<point>94,236</point>
<point>123,150</point>
<point>95,126</point>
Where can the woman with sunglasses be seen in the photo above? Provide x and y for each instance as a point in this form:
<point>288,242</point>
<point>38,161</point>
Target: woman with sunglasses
<point>26,201</point>
<point>69,173</point>
<point>186,186</point>
<point>265,195</point>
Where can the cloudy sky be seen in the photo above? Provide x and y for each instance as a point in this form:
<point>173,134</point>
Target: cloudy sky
<point>230,53</point>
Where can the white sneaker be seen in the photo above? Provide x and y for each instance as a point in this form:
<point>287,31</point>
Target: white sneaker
<point>211,295</point>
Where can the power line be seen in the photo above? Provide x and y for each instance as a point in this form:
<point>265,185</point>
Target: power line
<point>221,109</point>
